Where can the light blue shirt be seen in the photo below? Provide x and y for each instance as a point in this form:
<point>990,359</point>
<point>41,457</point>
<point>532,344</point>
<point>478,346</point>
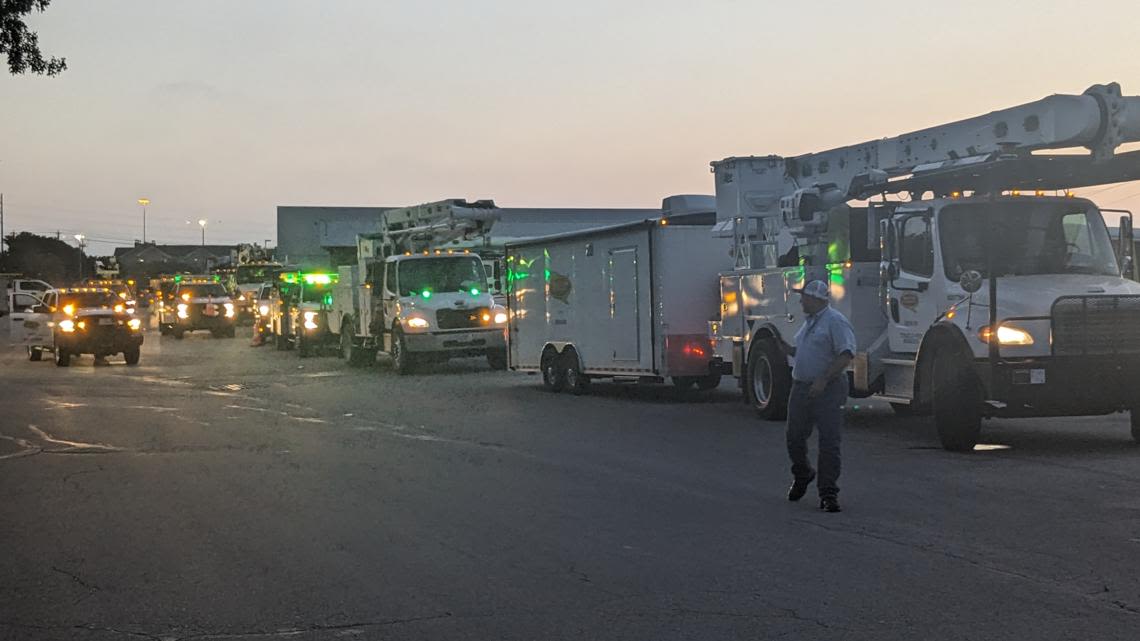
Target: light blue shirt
<point>823,337</point>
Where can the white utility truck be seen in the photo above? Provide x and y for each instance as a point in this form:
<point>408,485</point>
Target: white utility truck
<point>977,285</point>
<point>629,302</point>
<point>416,302</point>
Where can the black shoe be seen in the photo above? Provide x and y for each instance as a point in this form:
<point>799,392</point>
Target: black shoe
<point>799,488</point>
<point>829,504</point>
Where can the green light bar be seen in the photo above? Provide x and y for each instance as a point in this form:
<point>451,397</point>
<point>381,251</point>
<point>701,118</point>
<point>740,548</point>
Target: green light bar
<point>178,279</point>
<point>317,279</point>
<point>474,291</point>
<point>289,277</point>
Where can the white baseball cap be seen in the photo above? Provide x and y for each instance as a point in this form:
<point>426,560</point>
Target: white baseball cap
<point>815,289</point>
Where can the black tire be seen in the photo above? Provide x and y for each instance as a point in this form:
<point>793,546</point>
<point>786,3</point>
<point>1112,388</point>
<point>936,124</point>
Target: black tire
<point>903,409</point>
<point>768,380</point>
<point>710,382</point>
<point>957,403</point>
<point>402,360</point>
<point>573,379</point>
<point>231,331</point>
<point>131,356</point>
<point>304,348</point>
<point>683,383</point>
<point>552,379</point>
<point>163,329</point>
<point>35,354</point>
<point>282,343</point>
<point>218,333</point>
<point>497,358</point>
<point>62,357</point>
<point>1135,420</point>
<point>178,333</point>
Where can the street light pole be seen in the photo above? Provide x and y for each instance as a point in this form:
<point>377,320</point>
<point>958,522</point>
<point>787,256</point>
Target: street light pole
<point>202,224</point>
<point>144,202</point>
<point>80,239</point>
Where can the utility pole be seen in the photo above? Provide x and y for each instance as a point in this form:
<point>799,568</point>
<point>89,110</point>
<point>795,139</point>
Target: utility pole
<point>2,241</point>
<point>144,202</point>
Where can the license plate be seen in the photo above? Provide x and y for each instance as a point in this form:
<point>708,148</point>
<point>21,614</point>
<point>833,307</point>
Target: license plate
<point>106,321</point>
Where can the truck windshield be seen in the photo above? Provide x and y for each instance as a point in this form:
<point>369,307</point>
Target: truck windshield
<point>202,291</point>
<point>1030,238</point>
<point>450,274</point>
<point>87,300</point>
<point>248,274</point>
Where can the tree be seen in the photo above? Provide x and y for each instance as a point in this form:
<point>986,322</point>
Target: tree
<point>22,45</point>
<point>45,258</point>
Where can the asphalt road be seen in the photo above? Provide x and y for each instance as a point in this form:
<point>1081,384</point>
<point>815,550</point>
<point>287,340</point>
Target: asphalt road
<point>218,491</point>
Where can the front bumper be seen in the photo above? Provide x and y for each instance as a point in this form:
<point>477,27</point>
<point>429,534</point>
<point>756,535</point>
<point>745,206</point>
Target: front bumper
<point>83,342</point>
<point>469,342</point>
<point>199,320</point>
<point>1062,385</point>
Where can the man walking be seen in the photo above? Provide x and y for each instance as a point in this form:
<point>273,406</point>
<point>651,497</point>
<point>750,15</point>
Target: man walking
<point>824,348</point>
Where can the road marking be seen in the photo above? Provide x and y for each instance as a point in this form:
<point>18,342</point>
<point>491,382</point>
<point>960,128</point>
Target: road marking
<point>287,415</point>
<point>79,445</point>
<point>28,450</point>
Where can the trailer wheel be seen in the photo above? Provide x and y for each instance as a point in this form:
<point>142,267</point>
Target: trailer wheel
<point>62,357</point>
<point>1135,420</point>
<point>552,378</point>
<point>401,359</point>
<point>710,382</point>
<point>769,381</point>
<point>572,376</point>
<point>35,353</point>
<point>957,403</point>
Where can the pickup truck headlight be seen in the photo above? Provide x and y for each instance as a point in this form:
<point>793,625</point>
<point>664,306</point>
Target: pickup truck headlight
<point>500,317</point>
<point>1006,335</point>
<point>310,320</point>
<point>416,322</point>
<point>229,310</point>
<point>67,325</point>
<point>263,310</point>
<point>134,324</point>
<point>183,310</point>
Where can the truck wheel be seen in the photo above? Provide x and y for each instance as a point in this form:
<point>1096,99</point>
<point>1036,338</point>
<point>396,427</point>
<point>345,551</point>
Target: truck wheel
<point>574,380</point>
<point>178,333</point>
<point>710,382</point>
<point>552,378</point>
<point>132,356</point>
<point>163,329</point>
<point>769,380</point>
<point>304,349</point>
<point>62,357</point>
<point>957,403</point>
<point>231,331</point>
<point>683,383</point>
<point>401,359</point>
<point>35,353</point>
<point>497,358</point>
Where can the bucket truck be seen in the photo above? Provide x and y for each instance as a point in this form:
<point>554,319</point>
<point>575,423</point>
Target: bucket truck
<point>977,284</point>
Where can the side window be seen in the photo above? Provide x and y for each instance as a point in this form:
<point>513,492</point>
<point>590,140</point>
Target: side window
<point>916,247</point>
<point>390,277</point>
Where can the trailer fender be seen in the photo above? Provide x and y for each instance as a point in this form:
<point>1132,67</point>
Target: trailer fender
<point>942,336</point>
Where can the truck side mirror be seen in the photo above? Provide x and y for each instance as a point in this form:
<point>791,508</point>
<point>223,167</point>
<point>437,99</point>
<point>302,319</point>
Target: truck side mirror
<point>971,281</point>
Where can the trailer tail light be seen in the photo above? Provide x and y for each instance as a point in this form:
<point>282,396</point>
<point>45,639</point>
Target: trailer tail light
<point>688,354</point>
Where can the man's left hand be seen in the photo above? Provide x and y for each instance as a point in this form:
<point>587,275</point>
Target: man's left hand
<point>817,387</point>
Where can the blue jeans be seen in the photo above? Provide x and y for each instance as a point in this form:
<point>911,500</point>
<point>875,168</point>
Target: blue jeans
<point>825,412</point>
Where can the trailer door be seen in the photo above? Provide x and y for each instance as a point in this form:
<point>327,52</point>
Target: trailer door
<point>625,321</point>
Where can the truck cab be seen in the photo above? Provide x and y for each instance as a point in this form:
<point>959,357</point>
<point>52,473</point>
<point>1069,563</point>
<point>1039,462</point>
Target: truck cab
<point>299,312</point>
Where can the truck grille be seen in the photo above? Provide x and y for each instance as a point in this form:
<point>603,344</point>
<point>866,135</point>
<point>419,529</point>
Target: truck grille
<point>461,318</point>
<point>1096,325</point>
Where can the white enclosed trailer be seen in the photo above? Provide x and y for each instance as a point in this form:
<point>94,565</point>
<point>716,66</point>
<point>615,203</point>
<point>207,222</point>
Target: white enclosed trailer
<point>629,302</point>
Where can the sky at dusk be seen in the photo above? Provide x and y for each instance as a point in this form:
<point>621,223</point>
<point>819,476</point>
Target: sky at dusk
<point>223,110</point>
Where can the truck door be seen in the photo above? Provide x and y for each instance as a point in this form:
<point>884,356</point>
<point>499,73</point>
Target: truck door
<point>30,320</point>
<point>910,301</point>
<point>625,335</point>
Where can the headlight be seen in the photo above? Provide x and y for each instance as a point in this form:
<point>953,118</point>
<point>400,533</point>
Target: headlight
<point>416,322</point>
<point>67,325</point>
<point>134,324</point>
<point>69,309</point>
<point>1006,335</point>
<point>119,309</point>
<point>500,318</point>
<point>183,310</point>
<point>263,310</point>
<point>229,310</point>
<point>310,320</point>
